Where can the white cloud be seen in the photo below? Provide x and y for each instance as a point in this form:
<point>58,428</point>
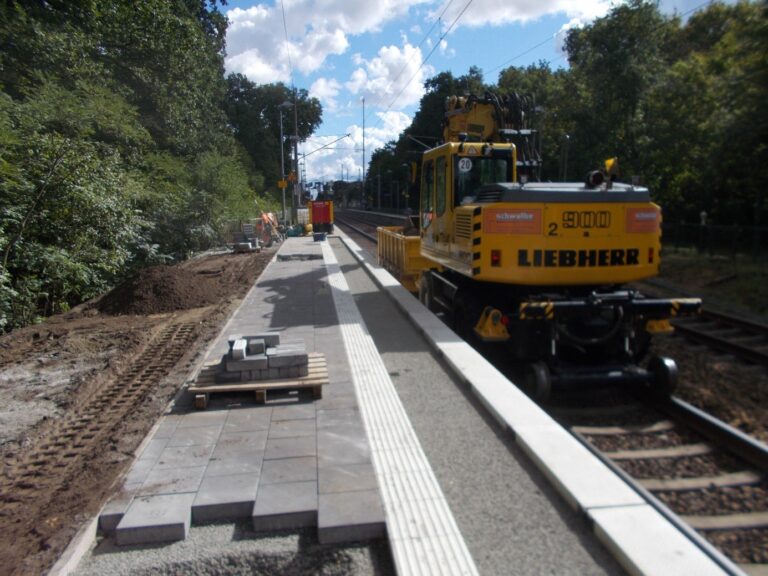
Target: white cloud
<point>256,43</point>
<point>326,90</point>
<point>501,12</point>
<point>326,164</point>
<point>391,78</point>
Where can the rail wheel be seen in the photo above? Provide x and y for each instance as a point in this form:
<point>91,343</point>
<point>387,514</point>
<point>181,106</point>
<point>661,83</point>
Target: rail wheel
<point>538,381</point>
<point>663,376</point>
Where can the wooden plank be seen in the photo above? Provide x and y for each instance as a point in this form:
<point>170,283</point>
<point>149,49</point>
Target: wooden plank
<point>728,521</point>
<point>675,484</point>
<point>682,451</point>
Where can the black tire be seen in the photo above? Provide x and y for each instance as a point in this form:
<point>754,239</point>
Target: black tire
<point>663,376</point>
<point>538,382</point>
<point>466,312</point>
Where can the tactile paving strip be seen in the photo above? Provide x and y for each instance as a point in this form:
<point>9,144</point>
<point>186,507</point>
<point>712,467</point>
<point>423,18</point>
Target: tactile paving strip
<point>423,534</point>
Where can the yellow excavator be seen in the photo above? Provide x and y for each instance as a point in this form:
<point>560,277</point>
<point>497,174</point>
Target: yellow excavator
<point>537,267</point>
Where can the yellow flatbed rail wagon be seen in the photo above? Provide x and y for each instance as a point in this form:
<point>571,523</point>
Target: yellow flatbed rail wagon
<point>539,267</point>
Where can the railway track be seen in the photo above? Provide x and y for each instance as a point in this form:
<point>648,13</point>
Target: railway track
<point>742,338</point>
<point>705,476</point>
<point>710,479</point>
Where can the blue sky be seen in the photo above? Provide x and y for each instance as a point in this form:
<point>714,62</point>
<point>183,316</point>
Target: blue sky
<point>342,51</point>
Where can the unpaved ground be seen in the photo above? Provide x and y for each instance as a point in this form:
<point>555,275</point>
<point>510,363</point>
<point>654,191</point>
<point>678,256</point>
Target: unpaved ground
<point>82,389</point>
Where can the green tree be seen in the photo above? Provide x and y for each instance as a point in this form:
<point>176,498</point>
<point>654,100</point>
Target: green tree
<point>254,113</point>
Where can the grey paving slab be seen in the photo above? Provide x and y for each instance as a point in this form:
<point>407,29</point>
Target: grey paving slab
<point>337,401</point>
<point>335,448</point>
<point>155,447</point>
<point>292,428</point>
<point>294,412</point>
<point>165,428</point>
<point>291,447</point>
<point>248,419</point>
<point>172,480</point>
<point>335,478</point>
<point>285,470</point>
<point>155,519</point>
<point>196,436</point>
<point>207,418</point>
<point>115,509</point>
<point>285,506</point>
<point>350,516</point>
<point>139,471</point>
<point>225,497</point>
<point>327,418</point>
<point>236,463</point>
<point>184,456</point>
<point>234,443</point>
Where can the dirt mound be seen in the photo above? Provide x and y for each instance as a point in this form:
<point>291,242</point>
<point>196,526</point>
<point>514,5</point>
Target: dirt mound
<point>165,289</point>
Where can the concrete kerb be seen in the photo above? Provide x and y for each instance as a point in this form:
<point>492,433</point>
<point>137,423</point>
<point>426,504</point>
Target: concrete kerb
<point>82,541</point>
<point>517,413</point>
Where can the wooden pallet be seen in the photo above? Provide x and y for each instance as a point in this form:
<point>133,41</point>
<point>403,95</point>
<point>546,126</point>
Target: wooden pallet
<point>205,383</point>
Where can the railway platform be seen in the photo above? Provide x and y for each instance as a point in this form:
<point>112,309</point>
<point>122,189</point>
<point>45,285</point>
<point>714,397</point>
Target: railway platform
<point>417,443</point>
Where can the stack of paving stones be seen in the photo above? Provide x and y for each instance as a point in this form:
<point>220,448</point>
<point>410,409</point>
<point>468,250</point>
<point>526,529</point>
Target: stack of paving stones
<point>287,464</point>
<point>262,357</point>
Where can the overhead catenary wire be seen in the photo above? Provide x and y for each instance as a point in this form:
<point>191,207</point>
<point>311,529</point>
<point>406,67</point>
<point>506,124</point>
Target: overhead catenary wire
<point>425,60</point>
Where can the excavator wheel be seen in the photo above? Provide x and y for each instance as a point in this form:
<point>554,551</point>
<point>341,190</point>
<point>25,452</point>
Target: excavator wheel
<point>663,376</point>
<point>538,382</point>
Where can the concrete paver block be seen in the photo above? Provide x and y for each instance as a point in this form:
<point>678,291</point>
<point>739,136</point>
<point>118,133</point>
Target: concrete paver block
<point>350,516</point>
<point>346,478</point>
<point>231,339</point>
<point>239,349</point>
<point>172,481</point>
<point>286,470</point>
<point>256,346</point>
<point>225,497</point>
<point>287,358</point>
<point>285,506</point>
<point>153,519</point>
<point>290,447</point>
<point>270,338</point>
<point>258,362</point>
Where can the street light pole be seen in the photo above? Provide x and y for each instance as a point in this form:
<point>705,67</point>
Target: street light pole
<point>284,106</point>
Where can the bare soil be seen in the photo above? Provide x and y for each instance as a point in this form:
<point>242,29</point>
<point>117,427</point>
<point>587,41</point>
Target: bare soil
<point>82,389</point>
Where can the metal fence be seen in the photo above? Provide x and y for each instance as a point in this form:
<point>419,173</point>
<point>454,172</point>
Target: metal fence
<point>750,241</point>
